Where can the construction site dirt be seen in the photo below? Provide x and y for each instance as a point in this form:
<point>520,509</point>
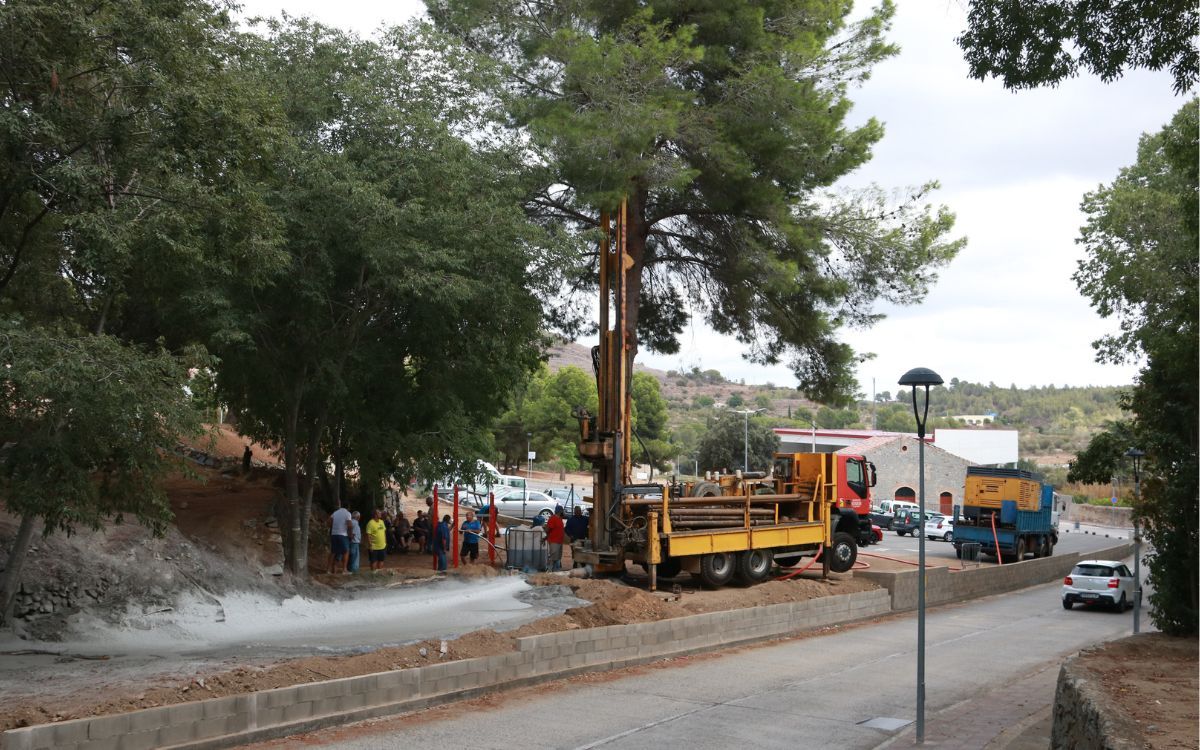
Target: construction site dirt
<point>224,545</point>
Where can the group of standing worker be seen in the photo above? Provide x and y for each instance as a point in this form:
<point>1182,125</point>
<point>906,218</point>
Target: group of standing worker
<point>387,532</point>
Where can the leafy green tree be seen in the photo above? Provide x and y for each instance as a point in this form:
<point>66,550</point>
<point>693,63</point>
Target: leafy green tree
<point>403,316</point>
<point>724,444</point>
<point>725,129</point>
<point>549,403</point>
<point>129,142</point>
<point>836,419</point>
<point>1141,268</point>
<point>652,436</point>
<point>129,146</point>
<point>1031,43</point>
<point>735,401</point>
<point>90,425</point>
<point>1104,456</point>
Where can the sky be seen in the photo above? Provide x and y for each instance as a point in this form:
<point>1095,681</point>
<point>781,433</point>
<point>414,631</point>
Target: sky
<point>1013,167</point>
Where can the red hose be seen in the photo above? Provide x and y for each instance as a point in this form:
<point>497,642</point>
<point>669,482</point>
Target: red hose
<point>996,539</point>
<point>793,573</point>
<point>798,571</point>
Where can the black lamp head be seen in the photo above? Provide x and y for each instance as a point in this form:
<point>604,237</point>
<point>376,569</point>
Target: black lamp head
<point>921,376</point>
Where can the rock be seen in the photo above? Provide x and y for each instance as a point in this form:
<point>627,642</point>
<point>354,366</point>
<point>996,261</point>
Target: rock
<point>273,570</point>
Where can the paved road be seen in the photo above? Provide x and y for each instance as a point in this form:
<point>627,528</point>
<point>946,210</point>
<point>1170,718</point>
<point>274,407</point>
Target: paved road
<point>1070,540</point>
<point>991,665</point>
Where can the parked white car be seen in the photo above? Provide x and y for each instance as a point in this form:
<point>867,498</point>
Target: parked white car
<point>1099,582</point>
<point>940,527</point>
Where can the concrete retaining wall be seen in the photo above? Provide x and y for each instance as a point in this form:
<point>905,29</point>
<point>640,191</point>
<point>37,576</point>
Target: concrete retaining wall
<point>944,585</point>
<point>224,722</point>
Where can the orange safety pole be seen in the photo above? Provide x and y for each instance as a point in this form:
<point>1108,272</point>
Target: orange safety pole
<point>454,546</point>
<point>492,528</point>
<point>433,521</point>
<point>995,538</point>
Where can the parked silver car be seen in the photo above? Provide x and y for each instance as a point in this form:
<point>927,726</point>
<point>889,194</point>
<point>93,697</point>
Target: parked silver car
<point>1099,582</point>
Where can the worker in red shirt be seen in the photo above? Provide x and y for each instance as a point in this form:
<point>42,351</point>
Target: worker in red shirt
<point>555,536</point>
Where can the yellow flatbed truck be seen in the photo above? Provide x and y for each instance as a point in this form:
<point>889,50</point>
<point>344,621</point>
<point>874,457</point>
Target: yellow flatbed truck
<point>733,527</point>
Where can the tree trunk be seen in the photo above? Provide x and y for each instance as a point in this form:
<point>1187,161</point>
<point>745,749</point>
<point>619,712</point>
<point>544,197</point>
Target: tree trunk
<point>635,244</point>
<point>10,581</point>
<point>339,470</point>
<point>313,461</point>
<point>291,485</point>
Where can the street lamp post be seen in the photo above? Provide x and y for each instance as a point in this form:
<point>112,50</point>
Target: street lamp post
<point>1136,455</point>
<point>746,436</point>
<point>921,377</point>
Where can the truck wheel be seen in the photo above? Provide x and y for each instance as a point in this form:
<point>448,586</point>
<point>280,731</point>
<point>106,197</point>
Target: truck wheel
<point>706,489</point>
<point>958,551</point>
<point>669,567</point>
<point>1020,553</point>
<point>753,566</point>
<point>842,552</point>
<point>716,569</point>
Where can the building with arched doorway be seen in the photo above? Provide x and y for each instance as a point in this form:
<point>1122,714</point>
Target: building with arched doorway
<point>896,469</point>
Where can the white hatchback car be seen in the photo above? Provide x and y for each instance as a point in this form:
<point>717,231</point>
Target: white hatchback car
<point>1105,582</point>
<point>940,527</point>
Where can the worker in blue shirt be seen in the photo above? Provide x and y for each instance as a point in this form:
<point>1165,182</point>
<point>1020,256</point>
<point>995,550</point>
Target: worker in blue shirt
<point>470,546</point>
<point>441,542</point>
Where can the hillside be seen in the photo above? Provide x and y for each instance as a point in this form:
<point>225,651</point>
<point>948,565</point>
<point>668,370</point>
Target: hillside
<point>1054,422</point>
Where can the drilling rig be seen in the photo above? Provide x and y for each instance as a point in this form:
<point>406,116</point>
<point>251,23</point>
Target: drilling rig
<point>728,528</point>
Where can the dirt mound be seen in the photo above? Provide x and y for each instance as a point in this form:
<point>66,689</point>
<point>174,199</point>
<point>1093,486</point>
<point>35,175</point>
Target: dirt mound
<point>1151,679</point>
<point>123,569</point>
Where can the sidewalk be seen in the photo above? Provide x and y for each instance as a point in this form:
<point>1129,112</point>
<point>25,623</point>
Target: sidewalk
<point>1014,716</point>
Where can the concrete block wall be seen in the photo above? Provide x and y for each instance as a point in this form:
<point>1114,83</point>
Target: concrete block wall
<point>234,720</point>
<point>946,585</point>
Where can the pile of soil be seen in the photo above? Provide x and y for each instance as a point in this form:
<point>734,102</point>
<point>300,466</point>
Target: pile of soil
<point>1150,681</point>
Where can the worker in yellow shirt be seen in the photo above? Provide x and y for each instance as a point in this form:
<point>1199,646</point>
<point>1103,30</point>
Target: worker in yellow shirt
<point>377,540</point>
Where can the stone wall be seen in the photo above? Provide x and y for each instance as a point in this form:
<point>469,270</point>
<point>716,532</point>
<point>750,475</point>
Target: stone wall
<point>1099,515</point>
<point>896,464</point>
<point>1082,718</point>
